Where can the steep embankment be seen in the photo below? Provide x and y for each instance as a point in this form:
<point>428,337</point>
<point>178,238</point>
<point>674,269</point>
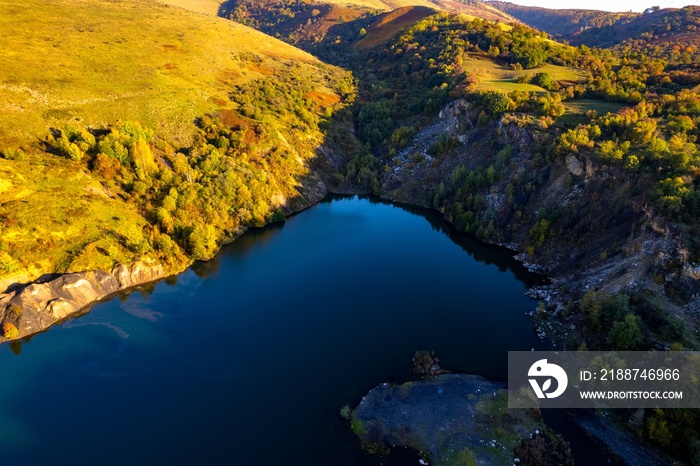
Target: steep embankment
<point>585,224</point>
<point>154,135</point>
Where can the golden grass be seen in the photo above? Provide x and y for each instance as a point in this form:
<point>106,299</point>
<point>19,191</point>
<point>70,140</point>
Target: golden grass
<point>403,3</point>
<point>496,76</point>
<point>93,63</point>
<point>99,62</point>
<point>209,7</point>
<point>576,110</point>
<point>389,25</point>
<point>381,4</point>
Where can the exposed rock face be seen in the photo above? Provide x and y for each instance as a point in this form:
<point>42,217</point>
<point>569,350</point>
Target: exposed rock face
<point>602,229</point>
<point>40,305</point>
<point>452,419</point>
<point>574,166</point>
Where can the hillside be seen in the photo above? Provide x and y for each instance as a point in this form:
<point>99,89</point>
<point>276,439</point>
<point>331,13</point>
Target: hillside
<point>103,66</point>
<point>561,23</point>
<point>605,29</point>
<point>660,27</point>
<point>386,26</point>
<point>379,4</point>
<point>124,142</point>
<point>310,21</point>
<point>474,8</point>
<point>306,23</point>
<point>209,7</point>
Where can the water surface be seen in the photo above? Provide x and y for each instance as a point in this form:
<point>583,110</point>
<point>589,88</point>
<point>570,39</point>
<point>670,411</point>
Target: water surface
<point>249,358</point>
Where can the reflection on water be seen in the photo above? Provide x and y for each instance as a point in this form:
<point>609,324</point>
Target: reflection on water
<point>248,358</point>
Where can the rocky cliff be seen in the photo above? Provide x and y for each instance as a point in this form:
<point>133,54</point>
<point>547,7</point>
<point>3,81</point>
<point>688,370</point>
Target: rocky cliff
<point>585,224</point>
<point>41,304</point>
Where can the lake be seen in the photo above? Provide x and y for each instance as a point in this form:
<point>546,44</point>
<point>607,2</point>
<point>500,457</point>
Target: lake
<point>249,358</point>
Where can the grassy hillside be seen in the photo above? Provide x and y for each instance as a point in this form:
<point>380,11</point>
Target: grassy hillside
<point>139,131</point>
<point>97,62</point>
<point>475,8</point>
<point>471,7</point>
<point>496,75</point>
<point>387,25</point>
<point>302,24</point>
<point>209,7</point>
<point>379,4</point>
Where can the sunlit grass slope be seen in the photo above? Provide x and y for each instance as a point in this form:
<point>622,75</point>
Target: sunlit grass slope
<point>101,61</point>
<point>381,4</point>
<point>158,69</point>
<point>495,76</point>
<point>210,7</point>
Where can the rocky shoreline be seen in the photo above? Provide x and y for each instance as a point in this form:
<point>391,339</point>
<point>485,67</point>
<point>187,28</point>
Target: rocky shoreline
<point>633,250</point>
<point>454,419</point>
<point>38,306</point>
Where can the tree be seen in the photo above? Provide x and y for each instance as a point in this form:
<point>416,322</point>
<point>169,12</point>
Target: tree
<point>543,80</point>
<point>495,102</point>
<point>142,156</point>
<point>626,335</point>
<point>202,242</point>
<point>529,53</point>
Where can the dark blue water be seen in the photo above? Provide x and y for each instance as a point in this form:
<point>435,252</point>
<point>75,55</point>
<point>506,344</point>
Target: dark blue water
<point>249,358</point>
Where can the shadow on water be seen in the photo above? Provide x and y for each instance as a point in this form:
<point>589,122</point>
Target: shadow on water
<point>488,254</point>
<point>241,247</point>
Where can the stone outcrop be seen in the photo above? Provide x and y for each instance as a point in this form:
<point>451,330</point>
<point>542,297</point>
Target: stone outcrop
<point>39,305</point>
<point>453,419</point>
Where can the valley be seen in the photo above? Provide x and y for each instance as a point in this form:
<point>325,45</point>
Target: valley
<point>568,136</point>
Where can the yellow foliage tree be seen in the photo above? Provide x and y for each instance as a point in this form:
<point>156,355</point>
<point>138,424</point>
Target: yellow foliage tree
<point>9,331</point>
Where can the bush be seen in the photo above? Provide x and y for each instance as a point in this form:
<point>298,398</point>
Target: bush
<point>543,80</point>
<point>626,335</point>
<point>14,154</point>
<point>495,102</point>
<point>10,331</point>
<point>8,264</point>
